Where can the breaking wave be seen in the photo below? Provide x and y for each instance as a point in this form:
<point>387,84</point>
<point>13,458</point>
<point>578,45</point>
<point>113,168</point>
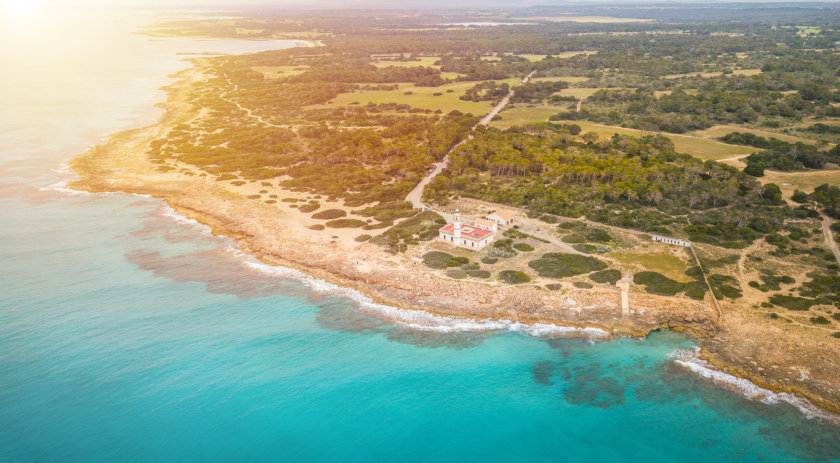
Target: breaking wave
<point>690,359</point>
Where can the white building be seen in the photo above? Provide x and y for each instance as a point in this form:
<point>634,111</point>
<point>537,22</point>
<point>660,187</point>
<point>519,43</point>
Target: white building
<point>674,241</point>
<point>464,235</point>
<point>501,217</point>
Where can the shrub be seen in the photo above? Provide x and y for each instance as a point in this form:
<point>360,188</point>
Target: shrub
<point>548,218</point>
<point>345,223</point>
<point>585,248</point>
<point>836,334</point>
<point>820,320</point>
<point>559,265</point>
<point>553,286</point>
<point>317,227</point>
<point>489,260</point>
<point>309,207</point>
<point>457,261</point>
<point>792,302</point>
<point>582,284</point>
<point>513,277</point>
<point>362,238</point>
<point>524,247</point>
<point>478,273</point>
<point>657,283</point>
<point>330,214</point>
<point>436,259</point>
<point>573,238</point>
<point>605,276</point>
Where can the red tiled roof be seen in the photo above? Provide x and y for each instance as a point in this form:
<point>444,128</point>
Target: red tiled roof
<point>468,232</point>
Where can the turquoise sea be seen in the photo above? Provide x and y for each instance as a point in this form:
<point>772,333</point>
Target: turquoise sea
<point>127,334</point>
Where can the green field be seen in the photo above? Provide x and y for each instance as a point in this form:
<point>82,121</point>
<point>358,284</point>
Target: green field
<point>721,130</point>
<point>525,115</point>
<point>656,259</point>
<point>703,148</point>
<point>422,97</point>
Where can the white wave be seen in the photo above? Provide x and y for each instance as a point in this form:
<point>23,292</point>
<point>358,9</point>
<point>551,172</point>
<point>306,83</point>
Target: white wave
<point>417,319</point>
<point>172,214</point>
<point>63,169</point>
<point>690,359</point>
<point>61,187</point>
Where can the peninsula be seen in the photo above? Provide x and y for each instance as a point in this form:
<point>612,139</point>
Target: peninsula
<point>619,175</point>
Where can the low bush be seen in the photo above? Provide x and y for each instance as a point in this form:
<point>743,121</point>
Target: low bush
<point>436,259</point>
<point>605,276</point>
<point>330,214</point>
<point>559,265</point>
<point>582,284</point>
<point>524,247</point>
<point>458,274</point>
<point>345,223</point>
<point>489,260</point>
<point>792,302</point>
<point>513,277</point>
<point>362,238</point>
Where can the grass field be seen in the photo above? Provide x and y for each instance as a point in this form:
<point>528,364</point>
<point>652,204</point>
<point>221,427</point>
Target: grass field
<point>805,181</point>
<point>525,115</point>
<point>655,258</point>
<point>703,148</point>
<point>721,130</point>
<point>422,97</point>
<point>580,93</point>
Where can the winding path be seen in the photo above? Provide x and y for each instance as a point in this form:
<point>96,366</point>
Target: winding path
<point>829,237</point>
<point>415,196</point>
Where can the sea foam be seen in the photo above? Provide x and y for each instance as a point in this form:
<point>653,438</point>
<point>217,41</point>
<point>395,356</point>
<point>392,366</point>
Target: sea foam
<point>690,359</point>
<point>415,319</point>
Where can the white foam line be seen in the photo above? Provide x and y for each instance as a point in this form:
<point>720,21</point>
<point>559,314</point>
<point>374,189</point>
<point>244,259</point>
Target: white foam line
<point>690,359</point>
<point>61,187</point>
<point>416,319</point>
<point>172,214</point>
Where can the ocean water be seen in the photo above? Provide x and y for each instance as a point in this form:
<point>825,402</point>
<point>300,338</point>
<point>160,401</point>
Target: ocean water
<point>128,334</point>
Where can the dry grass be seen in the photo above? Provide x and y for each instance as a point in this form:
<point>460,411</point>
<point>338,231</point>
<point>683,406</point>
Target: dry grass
<point>276,72</point>
<point>721,130</point>
<point>668,260</point>
<point>805,181</point>
<point>422,97</point>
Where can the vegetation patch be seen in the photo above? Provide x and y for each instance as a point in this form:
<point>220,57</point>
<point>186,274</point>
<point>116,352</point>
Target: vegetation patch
<point>362,238</point>
<point>582,284</point>
<point>457,274</point>
<point>329,214</point>
<point>792,302</point>
<point>560,265</point>
<point>513,277</point>
<point>605,276</point>
<point>657,283</point>
<point>309,207</point>
<point>524,247</point>
<point>345,223</point>
<point>436,259</point>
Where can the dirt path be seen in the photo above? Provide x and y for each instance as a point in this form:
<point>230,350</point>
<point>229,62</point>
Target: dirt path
<point>829,237</point>
<point>733,158</point>
<point>415,196</point>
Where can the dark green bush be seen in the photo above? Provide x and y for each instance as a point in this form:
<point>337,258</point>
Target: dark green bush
<point>345,223</point>
<point>513,277</point>
<point>330,214</point>
<point>605,276</point>
<point>559,265</point>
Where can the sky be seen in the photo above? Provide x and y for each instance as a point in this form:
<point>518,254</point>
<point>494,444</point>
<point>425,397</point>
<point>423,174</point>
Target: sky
<point>13,10</point>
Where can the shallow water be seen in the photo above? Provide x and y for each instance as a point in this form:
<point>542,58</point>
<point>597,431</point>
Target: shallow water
<point>126,335</point>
